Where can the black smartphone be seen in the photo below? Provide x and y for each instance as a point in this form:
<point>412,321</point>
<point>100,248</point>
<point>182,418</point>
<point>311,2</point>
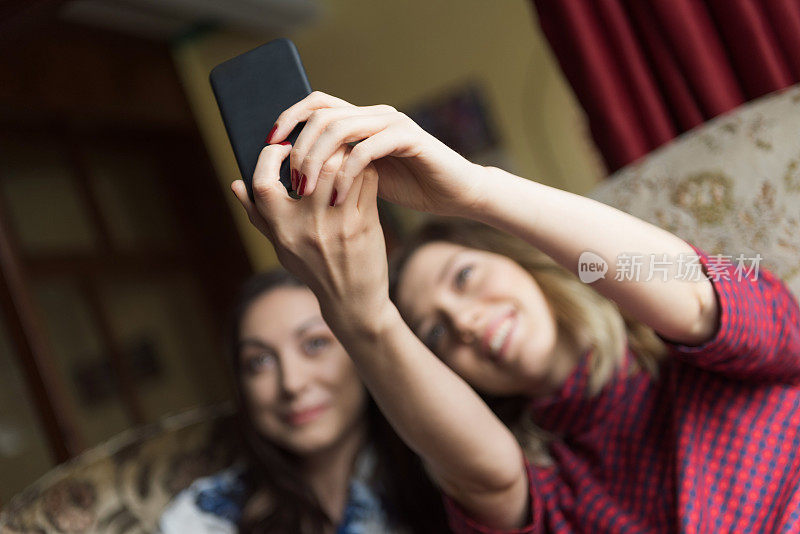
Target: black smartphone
<point>252,89</point>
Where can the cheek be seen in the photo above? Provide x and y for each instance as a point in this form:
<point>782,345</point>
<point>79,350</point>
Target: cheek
<point>543,322</point>
<point>510,280</point>
<point>353,404</point>
<point>260,391</point>
<point>261,397</point>
<point>338,377</point>
<point>349,391</point>
<point>529,296</point>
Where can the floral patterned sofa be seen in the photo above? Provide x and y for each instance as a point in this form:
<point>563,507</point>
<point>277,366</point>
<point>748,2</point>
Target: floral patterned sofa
<point>730,186</point>
<point>123,485</point>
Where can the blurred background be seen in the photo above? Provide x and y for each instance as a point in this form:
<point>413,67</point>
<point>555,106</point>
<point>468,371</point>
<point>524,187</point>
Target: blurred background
<point>121,246</point>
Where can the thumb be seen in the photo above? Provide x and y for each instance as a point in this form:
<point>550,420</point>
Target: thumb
<point>253,215</point>
<point>267,188</point>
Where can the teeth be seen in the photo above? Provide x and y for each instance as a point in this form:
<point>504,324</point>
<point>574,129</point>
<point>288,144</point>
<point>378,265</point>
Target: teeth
<point>500,335</point>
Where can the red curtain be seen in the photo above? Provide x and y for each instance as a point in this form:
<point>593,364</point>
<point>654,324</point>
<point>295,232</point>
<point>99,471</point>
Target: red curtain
<point>647,70</point>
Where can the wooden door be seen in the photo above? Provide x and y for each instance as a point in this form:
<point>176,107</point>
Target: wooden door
<point>119,257</point>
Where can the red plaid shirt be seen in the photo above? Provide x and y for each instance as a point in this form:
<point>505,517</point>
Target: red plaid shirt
<point>712,445</point>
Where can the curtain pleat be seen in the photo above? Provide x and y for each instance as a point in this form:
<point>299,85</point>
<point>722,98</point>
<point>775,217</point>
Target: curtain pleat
<point>648,70</point>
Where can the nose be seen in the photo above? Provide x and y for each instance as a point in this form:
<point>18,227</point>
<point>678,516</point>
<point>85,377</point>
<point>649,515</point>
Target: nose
<point>295,375</point>
<point>465,320</point>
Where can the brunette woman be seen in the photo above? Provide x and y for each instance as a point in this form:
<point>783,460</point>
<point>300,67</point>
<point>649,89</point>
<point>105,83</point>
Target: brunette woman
<point>319,457</point>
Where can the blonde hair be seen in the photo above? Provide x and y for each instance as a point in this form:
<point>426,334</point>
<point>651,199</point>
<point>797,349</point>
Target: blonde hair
<point>580,312</point>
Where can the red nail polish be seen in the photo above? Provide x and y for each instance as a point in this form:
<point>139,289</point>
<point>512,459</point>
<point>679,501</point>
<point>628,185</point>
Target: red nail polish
<point>302,187</point>
<point>284,143</point>
<point>271,133</point>
<point>333,197</point>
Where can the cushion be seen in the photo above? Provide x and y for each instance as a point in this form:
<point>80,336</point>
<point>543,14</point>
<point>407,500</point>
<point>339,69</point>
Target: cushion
<point>123,484</point>
<point>730,186</point>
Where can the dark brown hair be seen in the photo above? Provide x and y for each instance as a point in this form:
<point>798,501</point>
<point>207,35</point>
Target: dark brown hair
<point>410,500</point>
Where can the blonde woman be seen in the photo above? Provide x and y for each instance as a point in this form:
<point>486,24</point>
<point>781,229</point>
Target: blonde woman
<point>661,402</point>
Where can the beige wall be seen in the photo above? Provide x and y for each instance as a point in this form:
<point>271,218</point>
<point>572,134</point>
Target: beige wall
<point>403,53</point>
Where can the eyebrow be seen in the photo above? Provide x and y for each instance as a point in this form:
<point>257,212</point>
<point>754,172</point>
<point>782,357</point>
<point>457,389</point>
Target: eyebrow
<point>253,342</point>
<point>314,321</point>
<point>299,331</point>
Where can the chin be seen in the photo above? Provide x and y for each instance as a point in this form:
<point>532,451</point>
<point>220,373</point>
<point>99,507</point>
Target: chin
<point>531,364</point>
<point>301,440</point>
<point>307,447</point>
<point>534,362</point>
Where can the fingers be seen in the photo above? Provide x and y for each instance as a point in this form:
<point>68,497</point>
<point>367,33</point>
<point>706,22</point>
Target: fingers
<point>268,192</point>
<point>326,130</point>
<point>326,190</point>
<point>368,193</point>
<point>253,215</point>
<point>301,111</point>
<point>332,123</point>
<point>318,121</point>
<point>387,142</point>
<point>350,196</point>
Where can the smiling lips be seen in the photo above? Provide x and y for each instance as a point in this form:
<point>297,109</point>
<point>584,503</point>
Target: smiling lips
<point>496,338</point>
<point>300,417</point>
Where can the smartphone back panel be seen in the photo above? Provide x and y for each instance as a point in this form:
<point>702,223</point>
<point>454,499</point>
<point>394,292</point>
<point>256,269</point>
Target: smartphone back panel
<point>252,89</point>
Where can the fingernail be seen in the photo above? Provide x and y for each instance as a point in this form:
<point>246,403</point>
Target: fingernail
<point>284,143</point>
<point>333,197</point>
<point>294,179</point>
<point>302,187</point>
<point>271,133</point>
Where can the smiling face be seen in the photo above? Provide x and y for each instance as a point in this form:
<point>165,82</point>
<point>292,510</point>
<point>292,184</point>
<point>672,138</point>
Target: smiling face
<point>299,383</point>
<point>483,315</point>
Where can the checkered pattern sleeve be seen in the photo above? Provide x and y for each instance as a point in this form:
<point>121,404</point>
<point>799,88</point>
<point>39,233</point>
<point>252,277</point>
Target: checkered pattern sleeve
<point>461,523</point>
<point>758,336</point>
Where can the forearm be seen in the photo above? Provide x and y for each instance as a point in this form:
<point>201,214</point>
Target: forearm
<point>469,452</point>
<point>564,225</point>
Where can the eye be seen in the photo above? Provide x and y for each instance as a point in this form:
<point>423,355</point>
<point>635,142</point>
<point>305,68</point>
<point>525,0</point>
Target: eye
<point>259,363</point>
<point>434,336</point>
<point>463,275</point>
<point>316,344</point>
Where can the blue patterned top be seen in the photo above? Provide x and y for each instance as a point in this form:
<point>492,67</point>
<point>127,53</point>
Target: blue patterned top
<point>214,505</point>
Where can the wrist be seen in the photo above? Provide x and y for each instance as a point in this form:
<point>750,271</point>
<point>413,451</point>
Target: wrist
<point>487,181</point>
<point>363,325</point>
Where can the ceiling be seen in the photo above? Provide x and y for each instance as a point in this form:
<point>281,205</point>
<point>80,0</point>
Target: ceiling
<point>167,19</point>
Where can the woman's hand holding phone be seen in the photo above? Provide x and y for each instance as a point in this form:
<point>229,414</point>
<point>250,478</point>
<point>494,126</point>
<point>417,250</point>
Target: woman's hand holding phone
<point>416,170</point>
<point>331,237</point>
<point>338,251</point>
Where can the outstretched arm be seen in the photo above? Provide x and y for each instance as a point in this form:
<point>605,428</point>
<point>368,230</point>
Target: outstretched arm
<point>340,253</point>
<point>418,171</point>
<point>471,454</point>
<point>742,327</point>
<point>564,225</point>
